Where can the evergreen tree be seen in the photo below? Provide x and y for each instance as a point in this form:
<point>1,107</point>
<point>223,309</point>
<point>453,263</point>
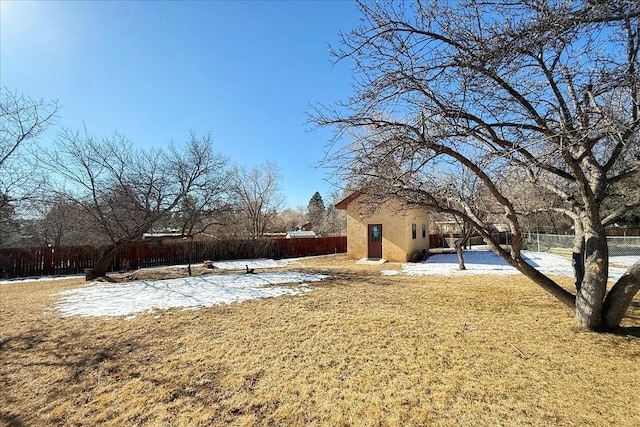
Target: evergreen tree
<point>316,211</point>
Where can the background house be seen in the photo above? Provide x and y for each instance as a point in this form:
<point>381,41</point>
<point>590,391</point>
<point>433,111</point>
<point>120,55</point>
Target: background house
<point>391,230</point>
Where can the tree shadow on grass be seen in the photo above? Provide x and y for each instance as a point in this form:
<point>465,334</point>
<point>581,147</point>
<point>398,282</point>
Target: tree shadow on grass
<point>627,331</point>
<point>62,351</point>
<point>75,356</point>
<point>25,341</point>
<point>10,420</point>
<point>633,314</point>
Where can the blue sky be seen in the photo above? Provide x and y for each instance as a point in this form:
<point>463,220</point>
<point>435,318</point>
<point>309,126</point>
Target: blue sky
<point>245,72</point>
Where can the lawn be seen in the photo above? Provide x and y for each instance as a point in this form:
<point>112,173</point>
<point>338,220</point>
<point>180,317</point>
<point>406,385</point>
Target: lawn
<point>359,349</point>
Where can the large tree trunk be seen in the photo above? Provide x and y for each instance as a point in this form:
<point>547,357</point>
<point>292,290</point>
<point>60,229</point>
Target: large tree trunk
<point>459,243</point>
<point>590,297</point>
<point>103,263</point>
<point>577,255</point>
<point>190,253</point>
<point>619,298</point>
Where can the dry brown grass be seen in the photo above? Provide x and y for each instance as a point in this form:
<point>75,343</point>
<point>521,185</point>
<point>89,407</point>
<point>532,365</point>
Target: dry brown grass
<point>360,350</point>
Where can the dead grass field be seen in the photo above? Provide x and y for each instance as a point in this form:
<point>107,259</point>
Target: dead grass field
<point>359,350</point>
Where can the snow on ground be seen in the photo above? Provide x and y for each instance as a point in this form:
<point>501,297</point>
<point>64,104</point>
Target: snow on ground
<point>130,298</point>
<point>486,262</point>
<point>241,264</point>
<point>626,261</point>
<point>39,279</point>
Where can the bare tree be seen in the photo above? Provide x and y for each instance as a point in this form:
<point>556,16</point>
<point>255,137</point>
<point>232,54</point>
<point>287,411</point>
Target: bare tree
<point>256,192</point>
<point>22,120</point>
<point>9,224</point>
<point>61,222</point>
<point>126,190</point>
<point>202,208</point>
<point>547,89</point>
<point>464,192</point>
<point>336,222</point>
<point>290,219</point>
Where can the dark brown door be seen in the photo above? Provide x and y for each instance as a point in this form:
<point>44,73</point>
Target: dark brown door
<point>375,241</point>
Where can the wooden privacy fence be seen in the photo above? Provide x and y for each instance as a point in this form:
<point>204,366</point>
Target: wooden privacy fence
<point>47,261</point>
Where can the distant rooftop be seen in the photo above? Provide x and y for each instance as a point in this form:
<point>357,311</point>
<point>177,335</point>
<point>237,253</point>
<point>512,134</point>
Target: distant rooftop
<point>297,234</point>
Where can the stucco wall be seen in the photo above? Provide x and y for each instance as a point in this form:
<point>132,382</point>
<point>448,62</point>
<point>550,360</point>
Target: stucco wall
<point>397,242</point>
<point>419,217</point>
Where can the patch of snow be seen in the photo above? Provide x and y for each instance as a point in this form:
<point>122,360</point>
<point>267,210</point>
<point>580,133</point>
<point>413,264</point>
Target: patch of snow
<point>487,262</point>
<point>390,272</point>
<point>260,263</point>
<point>39,279</point>
<point>626,261</point>
<point>127,299</point>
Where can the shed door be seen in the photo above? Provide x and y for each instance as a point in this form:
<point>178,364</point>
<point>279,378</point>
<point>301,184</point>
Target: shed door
<point>375,241</point>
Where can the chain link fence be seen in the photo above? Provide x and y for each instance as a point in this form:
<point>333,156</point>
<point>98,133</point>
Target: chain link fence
<point>558,243</point>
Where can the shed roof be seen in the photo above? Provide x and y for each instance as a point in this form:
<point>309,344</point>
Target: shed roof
<point>342,204</point>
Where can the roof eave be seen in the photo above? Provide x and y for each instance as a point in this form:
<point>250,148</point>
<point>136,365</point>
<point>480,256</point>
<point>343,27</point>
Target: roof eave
<point>342,204</point>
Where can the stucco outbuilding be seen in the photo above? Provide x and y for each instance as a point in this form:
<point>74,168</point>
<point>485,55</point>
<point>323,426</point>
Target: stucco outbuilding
<point>390,230</point>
